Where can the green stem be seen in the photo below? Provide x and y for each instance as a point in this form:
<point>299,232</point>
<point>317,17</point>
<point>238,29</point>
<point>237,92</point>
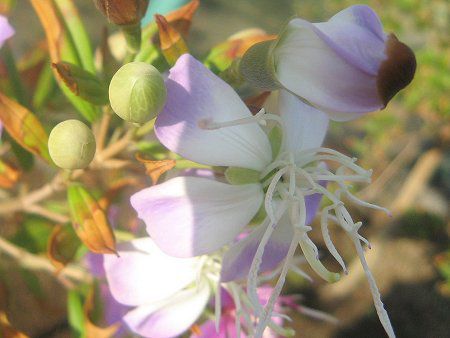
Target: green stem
<point>133,37</point>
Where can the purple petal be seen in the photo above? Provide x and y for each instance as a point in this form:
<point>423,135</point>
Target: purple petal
<point>356,34</point>
<point>113,311</point>
<point>238,259</point>
<point>191,216</point>
<point>334,65</point>
<point>171,318</point>
<point>6,30</point>
<point>143,274</point>
<point>196,95</point>
<point>94,264</point>
<point>227,328</point>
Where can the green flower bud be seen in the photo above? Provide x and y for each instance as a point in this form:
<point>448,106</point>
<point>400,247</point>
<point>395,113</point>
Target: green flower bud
<point>257,66</point>
<point>71,145</point>
<point>137,92</point>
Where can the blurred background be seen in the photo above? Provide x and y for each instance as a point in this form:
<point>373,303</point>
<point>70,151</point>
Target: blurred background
<point>407,146</point>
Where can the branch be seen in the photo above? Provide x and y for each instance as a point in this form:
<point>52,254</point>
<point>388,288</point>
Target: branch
<point>58,183</point>
<point>34,262</point>
<point>41,211</point>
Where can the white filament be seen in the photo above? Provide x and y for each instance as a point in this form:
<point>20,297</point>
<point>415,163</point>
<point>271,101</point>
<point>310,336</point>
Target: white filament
<point>282,184</point>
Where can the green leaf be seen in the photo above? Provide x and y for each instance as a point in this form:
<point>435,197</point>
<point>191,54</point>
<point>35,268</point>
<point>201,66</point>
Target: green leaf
<point>76,313</point>
<point>24,157</point>
<point>78,33</point>
<point>45,87</point>
<point>33,234</point>
<point>62,47</point>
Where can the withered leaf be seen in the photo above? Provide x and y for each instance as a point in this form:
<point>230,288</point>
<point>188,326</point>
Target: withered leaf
<point>89,221</point>
<point>24,127</point>
<point>155,169</point>
<point>62,246</point>
<point>181,19</point>
<point>171,42</point>
<point>8,175</point>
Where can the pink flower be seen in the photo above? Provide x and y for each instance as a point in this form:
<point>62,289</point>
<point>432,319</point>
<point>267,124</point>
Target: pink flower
<point>6,30</point>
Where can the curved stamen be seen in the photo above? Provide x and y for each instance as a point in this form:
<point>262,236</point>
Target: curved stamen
<point>237,304</point>
<point>327,239</point>
<point>379,306</point>
<point>268,205</point>
<point>279,285</point>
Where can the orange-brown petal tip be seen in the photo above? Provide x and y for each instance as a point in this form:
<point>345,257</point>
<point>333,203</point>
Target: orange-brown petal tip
<point>397,71</point>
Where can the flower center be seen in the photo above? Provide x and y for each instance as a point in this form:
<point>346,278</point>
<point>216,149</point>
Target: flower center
<point>288,181</point>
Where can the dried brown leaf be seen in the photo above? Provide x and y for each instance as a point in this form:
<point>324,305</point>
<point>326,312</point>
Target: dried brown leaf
<point>155,169</point>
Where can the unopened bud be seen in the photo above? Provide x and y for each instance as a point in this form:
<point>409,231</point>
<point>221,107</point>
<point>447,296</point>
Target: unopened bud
<point>127,14</point>
<point>257,66</point>
<point>137,92</point>
<point>82,83</point>
<point>71,145</point>
<point>123,12</point>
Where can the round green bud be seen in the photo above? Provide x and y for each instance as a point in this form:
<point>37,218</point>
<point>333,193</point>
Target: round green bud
<point>137,92</point>
<point>71,145</point>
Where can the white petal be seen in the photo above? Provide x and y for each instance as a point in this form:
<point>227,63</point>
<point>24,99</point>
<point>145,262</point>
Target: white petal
<point>172,317</point>
<point>304,126</point>
<point>196,95</point>
<point>191,216</point>
<point>309,65</point>
<point>143,273</point>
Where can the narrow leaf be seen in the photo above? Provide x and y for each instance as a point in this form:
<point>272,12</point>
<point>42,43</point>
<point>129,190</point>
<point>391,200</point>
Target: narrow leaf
<point>171,42</point>
<point>82,83</point>
<point>89,221</point>
<point>78,33</point>
<point>24,127</point>
<point>75,313</point>
<point>181,18</point>
<point>61,48</point>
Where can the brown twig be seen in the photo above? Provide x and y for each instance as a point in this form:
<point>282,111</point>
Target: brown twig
<point>57,184</point>
<point>34,262</point>
<point>33,197</point>
<point>116,147</point>
<point>51,215</point>
<point>103,130</point>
